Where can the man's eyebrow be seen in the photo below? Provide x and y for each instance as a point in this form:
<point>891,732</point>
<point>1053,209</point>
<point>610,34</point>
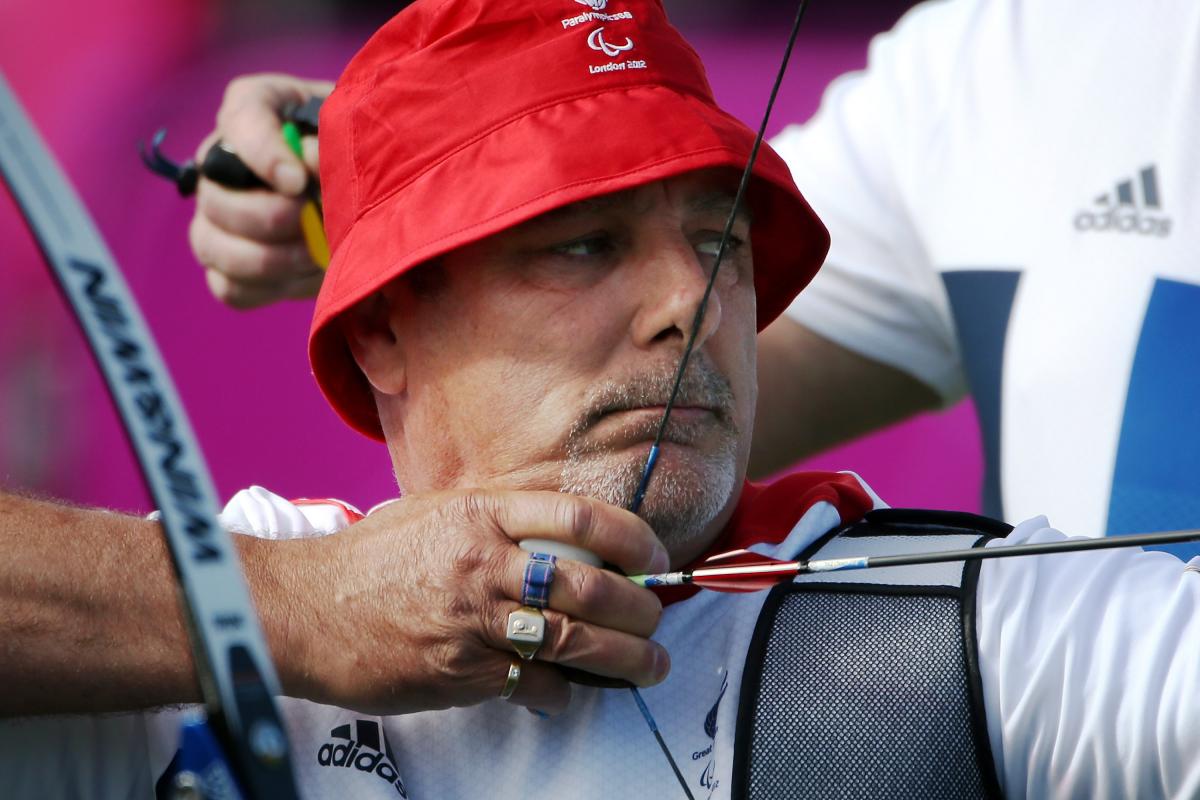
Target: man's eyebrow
<point>718,201</point>
<point>585,206</point>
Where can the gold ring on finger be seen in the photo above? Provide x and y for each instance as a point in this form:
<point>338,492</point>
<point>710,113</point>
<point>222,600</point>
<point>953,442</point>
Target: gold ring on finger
<point>511,680</point>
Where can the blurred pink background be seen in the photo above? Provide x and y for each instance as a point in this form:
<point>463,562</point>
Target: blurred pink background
<point>99,77</point>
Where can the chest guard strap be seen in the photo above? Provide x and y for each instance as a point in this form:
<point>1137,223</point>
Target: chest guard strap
<point>866,684</point>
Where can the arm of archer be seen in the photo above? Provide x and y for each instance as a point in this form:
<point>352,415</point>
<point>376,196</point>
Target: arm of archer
<point>813,394</point>
<point>89,615</point>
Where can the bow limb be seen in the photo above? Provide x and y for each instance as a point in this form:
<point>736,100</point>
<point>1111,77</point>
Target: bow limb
<point>236,675</point>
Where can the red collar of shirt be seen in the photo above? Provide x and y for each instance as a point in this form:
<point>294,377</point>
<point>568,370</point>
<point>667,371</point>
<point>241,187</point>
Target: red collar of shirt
<point>767,512</point>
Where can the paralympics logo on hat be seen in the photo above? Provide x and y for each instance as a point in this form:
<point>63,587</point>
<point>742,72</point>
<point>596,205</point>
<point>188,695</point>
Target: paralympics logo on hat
<point>461,118</point>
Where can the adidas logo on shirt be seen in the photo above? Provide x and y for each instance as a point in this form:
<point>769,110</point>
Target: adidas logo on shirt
<point>1121,212</point>
<point>362,752</point>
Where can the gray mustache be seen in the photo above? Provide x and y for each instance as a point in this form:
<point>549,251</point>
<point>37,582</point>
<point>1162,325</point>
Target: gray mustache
<point>702,386</point>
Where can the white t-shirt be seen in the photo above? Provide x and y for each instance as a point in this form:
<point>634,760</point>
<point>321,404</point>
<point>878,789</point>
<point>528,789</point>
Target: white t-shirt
<point>1090,666</point>
<point>1011,188</point>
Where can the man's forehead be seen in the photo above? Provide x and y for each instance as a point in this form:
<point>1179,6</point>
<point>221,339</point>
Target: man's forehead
<point>698,195</point>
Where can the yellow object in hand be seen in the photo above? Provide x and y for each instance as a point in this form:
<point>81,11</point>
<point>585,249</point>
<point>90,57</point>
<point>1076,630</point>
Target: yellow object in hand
<point>312,222</point>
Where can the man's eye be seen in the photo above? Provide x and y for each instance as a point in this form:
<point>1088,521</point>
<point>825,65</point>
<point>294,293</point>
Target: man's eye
<point>709,247</point>
<point>585,247</point>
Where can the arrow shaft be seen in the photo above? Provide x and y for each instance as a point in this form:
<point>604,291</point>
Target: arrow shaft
<point>768,572</point>
<point>1004,551</point>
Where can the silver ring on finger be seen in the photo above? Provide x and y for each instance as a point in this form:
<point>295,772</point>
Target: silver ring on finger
<point>526,631</point>
<point>511,679</point>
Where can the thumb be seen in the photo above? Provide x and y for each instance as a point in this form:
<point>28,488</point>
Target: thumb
<point>249,124</point>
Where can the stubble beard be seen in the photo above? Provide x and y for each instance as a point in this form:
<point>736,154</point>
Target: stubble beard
<point>690,485</point>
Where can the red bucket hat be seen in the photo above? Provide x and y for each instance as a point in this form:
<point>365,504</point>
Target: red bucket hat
<point>461,118</point>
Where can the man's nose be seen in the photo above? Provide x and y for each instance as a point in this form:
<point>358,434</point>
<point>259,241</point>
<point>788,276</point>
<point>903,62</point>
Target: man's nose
<point>673,281</point>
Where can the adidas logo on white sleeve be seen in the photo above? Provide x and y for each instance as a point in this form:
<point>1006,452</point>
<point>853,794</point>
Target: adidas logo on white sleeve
<point>1120,211</point>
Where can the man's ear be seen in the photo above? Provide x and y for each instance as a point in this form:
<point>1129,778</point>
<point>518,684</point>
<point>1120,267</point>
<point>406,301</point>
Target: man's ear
<point>375,343</point>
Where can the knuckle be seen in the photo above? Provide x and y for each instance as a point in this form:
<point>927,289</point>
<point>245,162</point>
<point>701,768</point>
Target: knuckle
<point>467,560</point>
<point>475,513</point>
<point>646,620</point>
<point>656,612</point>
<point>575,516</point>
<point>239,88</point>
<point>256,263</point>
<point>279,215</point>
<point>458,606</point>
<point>569,637</point>
<point>650,662</point>
<point>468,507</point>
<point>228,108</point>
<point>202,150</point>
<point>204,200</point>
<point>285,263</point>
<point>453,658</point>
<point>236,85</point>
<point>589,587</point>
<point>228,292</point>
<point>199,241</point>
<point>219,286</point>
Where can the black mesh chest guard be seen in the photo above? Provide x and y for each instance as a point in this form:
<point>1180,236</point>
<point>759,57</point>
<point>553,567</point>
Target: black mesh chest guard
<point>866,684</point>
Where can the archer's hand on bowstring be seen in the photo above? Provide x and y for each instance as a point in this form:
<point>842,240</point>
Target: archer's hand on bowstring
<point>406,610</point>
<point>249,241</point>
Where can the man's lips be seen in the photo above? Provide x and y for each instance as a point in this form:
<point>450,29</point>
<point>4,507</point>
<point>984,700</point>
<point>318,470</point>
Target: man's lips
<point>630,426</point>
<point>679,412</point>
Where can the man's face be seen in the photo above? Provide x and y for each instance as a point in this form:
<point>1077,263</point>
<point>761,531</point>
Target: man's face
<point>542,358</point>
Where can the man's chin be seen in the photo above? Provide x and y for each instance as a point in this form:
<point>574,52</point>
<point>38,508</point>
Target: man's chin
<point>687,492</point>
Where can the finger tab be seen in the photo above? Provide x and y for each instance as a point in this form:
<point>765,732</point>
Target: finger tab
<point>561,550</point>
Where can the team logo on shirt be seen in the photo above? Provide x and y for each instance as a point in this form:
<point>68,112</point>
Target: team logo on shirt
<point>361,751</point>
<point>1122,211</point>
<point>708,776</point>
<point>594,5</point>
